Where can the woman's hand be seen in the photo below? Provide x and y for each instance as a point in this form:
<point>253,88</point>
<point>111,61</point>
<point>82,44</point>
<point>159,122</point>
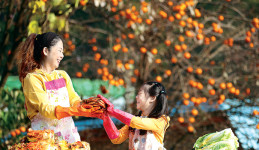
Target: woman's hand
<point>78,110</point>
<point>90,111</point>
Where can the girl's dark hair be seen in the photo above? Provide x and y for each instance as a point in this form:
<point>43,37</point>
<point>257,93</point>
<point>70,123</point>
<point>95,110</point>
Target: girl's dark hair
<point>30,52</point>
<point>155,89</point>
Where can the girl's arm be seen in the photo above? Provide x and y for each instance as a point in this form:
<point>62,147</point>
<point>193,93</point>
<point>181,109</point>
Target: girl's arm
<point>116,136</point>
<point>154,124</point>
<point>124,134</point>
<point>133,121</point>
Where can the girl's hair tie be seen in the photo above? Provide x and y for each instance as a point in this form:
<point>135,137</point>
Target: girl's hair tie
<point>162,92</point>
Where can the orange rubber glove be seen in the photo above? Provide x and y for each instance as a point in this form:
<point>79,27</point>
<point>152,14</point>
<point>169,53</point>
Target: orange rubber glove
<point>78,110</point>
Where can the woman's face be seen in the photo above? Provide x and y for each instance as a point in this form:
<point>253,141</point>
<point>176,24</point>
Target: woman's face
<point>55,55</point>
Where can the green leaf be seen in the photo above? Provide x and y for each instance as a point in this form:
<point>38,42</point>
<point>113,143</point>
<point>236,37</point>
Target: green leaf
<point>5,117</point>
<point>61,22</point>
<point>76,3</point>
<point>33,27</point>
<point>16,93</point>
<point>52,17</point>
<point>56,2</point>
<point>41,5</point>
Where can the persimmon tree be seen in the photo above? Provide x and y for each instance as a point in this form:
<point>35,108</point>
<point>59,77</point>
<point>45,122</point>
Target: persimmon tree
<point>22,17</point>
<point>202,51</point>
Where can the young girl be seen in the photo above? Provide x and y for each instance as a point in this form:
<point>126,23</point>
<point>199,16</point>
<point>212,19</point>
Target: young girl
<point>147,131</point>
<point>50,99</point>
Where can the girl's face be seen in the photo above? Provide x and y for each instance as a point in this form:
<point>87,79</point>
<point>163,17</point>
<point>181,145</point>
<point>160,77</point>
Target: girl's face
<point>54,55</point>
<point>144,101</point>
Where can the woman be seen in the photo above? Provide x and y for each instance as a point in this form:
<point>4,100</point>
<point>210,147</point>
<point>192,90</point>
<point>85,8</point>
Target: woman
<point>50,99</point>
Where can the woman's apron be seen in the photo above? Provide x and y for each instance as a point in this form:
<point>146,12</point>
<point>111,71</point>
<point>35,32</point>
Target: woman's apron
<point>57,95</point>
<point>144,142</point>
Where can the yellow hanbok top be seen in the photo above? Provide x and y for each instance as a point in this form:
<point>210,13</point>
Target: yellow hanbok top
<point>156,125</point>
<point>35,92</point>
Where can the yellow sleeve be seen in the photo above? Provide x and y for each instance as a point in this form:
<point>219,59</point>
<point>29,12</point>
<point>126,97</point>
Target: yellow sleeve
<point>73,96</point>
<point>153,124</point>
<point>36,96</point>
<point>157,126</point>
<point>124,134</point>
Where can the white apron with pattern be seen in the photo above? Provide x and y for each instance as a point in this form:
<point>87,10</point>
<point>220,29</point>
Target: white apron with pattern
<point>144,142</point>
<point>57,95</point>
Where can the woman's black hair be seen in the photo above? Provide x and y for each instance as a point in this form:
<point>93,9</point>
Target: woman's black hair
<point>30,52</point>
<point>155,89</point>
<point>48,40</point>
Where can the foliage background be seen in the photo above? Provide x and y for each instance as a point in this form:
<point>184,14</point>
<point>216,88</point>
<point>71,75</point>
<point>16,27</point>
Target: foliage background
<point>114,41</point>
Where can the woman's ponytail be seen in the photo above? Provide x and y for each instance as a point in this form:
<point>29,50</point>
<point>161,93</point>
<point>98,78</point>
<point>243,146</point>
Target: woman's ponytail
<point>26,62</point>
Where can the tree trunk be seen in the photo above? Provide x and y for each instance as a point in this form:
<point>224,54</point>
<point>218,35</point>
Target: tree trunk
<point>8,24</point>
<point>20,31</point>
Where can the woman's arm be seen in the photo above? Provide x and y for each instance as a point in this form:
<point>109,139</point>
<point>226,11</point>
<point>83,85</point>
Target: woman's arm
<point>36,97</point>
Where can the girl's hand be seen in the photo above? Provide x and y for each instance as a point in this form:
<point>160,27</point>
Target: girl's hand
<point>110,106</point>
<point>104,115</point>
<point>119,114</point>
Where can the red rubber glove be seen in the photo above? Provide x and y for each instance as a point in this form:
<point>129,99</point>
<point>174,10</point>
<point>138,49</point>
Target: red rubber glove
<point>110,106</point>
<point>124,117</point>
<point>110,127</point>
